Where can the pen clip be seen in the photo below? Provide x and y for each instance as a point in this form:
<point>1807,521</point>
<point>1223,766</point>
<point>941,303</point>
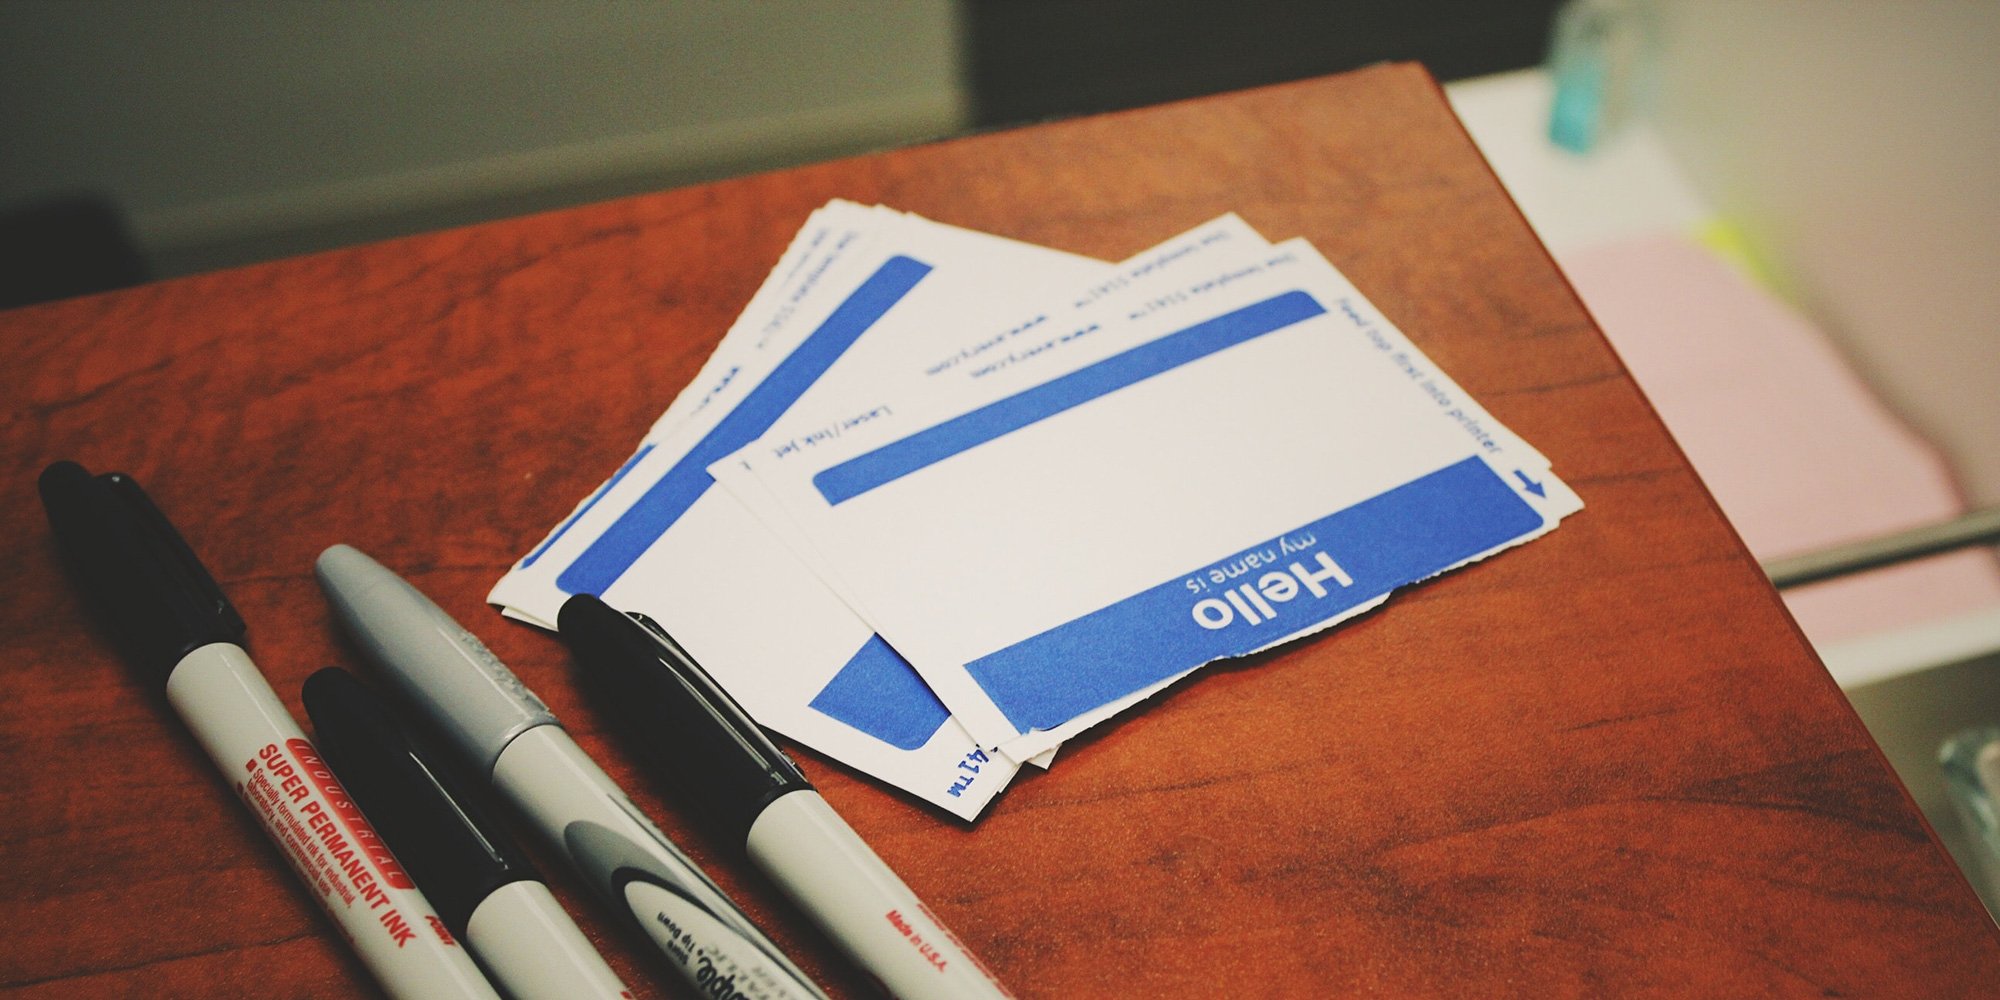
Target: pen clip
<point>659,634</point>
<point>718,698</point>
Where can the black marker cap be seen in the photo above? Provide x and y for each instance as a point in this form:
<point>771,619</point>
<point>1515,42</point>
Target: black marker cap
<point>450,846</point>
<point>721,760</point>
<point>149,588</point>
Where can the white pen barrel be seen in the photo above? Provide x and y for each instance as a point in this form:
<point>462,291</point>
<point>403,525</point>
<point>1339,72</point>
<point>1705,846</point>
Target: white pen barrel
<point>260,749</point>
<point>619,852</point>
<point>535,950</point>
<point>832,873</point>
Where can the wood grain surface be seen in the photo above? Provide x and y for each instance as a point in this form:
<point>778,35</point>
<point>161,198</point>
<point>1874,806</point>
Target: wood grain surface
<point>1602,764</point>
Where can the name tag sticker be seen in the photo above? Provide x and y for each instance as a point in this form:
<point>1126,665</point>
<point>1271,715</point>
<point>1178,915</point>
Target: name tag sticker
<point>1235,463</point>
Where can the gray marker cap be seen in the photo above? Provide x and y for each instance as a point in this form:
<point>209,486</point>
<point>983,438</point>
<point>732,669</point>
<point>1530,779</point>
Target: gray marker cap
<point>473,698</point>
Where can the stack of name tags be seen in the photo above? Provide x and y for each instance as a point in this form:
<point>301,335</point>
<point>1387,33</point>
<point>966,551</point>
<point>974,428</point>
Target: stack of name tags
<point>942,500</point>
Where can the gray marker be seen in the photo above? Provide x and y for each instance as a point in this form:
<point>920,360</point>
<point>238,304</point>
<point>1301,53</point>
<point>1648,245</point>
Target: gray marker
<point>508,734</point>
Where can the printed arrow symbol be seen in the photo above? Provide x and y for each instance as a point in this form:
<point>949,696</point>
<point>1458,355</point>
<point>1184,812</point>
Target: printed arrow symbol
<point>1531,485</point>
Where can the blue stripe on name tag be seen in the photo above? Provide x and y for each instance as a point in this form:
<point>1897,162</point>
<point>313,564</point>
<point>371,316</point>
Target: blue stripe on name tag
<point>879,693</point>
<point>563,529</point>
<point>934,444</point>
<point>1242,603</point>
<point>614,551</point>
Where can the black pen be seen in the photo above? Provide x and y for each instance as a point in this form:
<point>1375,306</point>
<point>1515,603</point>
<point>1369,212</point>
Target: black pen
<point>482,885</point>
<point>755,796</point>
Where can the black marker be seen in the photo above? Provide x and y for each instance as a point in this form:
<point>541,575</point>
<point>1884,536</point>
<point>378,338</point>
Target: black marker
<point>727,767</point>
<point>483,887</point>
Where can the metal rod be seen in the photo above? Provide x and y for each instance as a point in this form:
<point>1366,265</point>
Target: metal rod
<point>1980,527</point>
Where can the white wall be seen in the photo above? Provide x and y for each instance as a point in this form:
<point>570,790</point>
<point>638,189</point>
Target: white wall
<point>214,122</point>
<point>1857,145</point>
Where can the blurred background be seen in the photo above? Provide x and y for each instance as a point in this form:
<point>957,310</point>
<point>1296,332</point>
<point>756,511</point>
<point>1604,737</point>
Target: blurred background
<point>215,132</point>
<point>1784,213</point>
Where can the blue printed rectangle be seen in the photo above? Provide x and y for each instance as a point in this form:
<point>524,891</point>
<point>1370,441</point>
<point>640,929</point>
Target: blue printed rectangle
<point>879,693</point>
<point>932,445</point>
<point>1276,588</point>
<point>569,522</point>
<point>613,552</point>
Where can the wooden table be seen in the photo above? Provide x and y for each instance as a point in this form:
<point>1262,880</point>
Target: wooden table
<point>1605,763</point>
